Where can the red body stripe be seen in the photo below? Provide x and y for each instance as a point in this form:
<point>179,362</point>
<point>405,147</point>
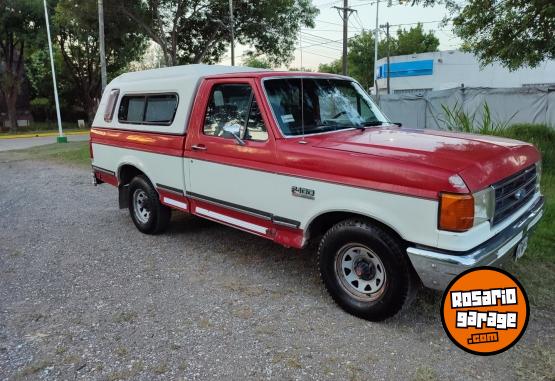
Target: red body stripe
<point>107,178</point>
<point>163,193</point>
<point>285,236</point>
<point>164,144</point>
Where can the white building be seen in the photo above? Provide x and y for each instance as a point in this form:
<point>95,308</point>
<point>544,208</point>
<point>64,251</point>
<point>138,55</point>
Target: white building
<point>420,73</point>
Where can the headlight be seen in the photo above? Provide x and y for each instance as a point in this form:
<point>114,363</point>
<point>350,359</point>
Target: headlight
<point>538,174</point>
<point>484,205</point>
<point>460,212</point>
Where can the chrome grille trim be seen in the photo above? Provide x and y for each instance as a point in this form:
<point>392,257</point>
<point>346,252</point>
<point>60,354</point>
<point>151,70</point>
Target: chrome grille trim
<point>506,203</point>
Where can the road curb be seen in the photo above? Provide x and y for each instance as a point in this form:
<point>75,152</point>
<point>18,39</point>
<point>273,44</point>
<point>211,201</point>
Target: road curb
<point>43,134</point>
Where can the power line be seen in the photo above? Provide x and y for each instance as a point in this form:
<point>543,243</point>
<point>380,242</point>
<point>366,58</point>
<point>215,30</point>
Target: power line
<point>318,54</point>
<point>319,37</point>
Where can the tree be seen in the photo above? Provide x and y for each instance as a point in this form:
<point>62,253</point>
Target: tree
<point>20,22</point>
<point>77,24</point>
<point>251,59</point>
<point>334,67</point>
<point>361,52</point>
<point>516,33</point>
<point>195,31</point>
<point>414,40</point>
<point>361,58</point>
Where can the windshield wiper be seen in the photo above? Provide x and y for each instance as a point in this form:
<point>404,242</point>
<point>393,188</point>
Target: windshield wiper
<point>332,126</point>
<point>374,123</point>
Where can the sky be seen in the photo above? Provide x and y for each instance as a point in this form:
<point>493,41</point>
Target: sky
<point>323,43</point>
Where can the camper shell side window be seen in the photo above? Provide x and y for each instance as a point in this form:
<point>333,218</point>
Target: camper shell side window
<point>150,109</point>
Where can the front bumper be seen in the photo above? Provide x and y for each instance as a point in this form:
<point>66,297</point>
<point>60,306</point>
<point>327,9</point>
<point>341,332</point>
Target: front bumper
<point>437,268</point>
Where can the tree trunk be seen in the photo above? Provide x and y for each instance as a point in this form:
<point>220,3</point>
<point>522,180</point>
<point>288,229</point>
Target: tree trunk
<point>11,106</point>
<point>90,108</point>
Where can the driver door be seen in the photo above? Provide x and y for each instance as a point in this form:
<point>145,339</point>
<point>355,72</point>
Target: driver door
<point>226,171</point>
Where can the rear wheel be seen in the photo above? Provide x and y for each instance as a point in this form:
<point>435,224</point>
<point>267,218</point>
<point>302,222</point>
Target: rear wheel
<point>147,213</point>
<point>365,270</point>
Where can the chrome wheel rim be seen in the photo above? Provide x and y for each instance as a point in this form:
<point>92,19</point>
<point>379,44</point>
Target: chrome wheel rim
<point>141,206</point>
<point>361,272</point>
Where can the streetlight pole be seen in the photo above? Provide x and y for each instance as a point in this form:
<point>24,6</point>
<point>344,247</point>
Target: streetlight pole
<point>61,138</point>
<point>376,37</point>
<point>388,61</point>
<point>101,45</point>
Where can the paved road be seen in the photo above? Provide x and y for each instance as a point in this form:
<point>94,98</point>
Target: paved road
<point>22,143</point>
<point>84,295</point>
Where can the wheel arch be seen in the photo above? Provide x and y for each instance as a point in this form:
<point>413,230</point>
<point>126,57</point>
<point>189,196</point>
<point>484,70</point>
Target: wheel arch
<point>322,222</point>
<point>125,173</point>
<point>128,170</point>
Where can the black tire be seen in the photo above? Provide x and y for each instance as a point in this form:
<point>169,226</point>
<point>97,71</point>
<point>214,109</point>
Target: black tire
<point>398,286</point>
<point>158,215</point>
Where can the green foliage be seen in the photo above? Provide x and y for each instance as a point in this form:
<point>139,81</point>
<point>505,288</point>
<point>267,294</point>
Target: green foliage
<point>334,67</point>
<point>76,22</point>
<point>537,268</point>
<point>516,33</point>
<point>253,60</point>
<point>414,40</point>
<point>19,28</point>
<point>455,118</point>
<point>199,31</point>
<point>360,57</point>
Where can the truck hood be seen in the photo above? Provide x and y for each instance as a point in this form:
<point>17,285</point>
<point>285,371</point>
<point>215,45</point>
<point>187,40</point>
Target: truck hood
<point>480,160</point>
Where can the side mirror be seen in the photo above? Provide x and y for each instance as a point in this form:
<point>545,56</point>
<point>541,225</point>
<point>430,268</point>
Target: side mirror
<point>234,129</point>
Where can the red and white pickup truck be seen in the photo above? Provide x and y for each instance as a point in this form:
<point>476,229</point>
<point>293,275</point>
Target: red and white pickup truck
<point>294,157</point>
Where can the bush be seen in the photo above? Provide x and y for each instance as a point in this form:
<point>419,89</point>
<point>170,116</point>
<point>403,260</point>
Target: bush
<point>457,119</point>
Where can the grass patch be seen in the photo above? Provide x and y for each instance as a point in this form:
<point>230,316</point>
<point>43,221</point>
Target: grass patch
<point>69,153</point>
<point>424,373</point>
<point>33,369</point>
<point>125,317</point>
<point>536,269</point>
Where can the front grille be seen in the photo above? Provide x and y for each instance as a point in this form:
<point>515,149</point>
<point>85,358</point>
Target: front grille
<point>512,193</point>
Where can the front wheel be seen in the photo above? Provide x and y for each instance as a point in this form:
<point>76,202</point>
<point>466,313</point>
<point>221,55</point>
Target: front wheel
<point>365,270</point>
<point>147,213</point>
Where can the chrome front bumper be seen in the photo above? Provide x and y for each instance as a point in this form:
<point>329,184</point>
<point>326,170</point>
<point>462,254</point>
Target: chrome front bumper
<point>437,268</point>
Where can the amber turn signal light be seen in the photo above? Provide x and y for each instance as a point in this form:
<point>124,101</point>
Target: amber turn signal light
<point>456,212</point>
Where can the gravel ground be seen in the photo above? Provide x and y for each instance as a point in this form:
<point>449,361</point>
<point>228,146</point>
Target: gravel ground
<point>84,295</point>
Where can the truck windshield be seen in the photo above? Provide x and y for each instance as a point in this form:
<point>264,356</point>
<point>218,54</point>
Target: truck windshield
<point>327,105</point>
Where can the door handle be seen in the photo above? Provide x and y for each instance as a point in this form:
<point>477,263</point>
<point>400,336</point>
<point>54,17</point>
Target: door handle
<point>198,147</point>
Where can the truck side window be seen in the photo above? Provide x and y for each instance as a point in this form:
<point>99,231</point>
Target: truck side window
<point>154,109</point>
<point>233,105</point>
<point>160,109</point>
<point>256,129</point>
<point>131,109</point>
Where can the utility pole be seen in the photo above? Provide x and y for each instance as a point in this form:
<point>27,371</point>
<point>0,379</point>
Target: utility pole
<point>232,36</point>
<point>61,138</point>
<point>388,59</point>
<point>101,45</point>
<point>376,38</point>
<point>345,12</point>
<point>386,26</point>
